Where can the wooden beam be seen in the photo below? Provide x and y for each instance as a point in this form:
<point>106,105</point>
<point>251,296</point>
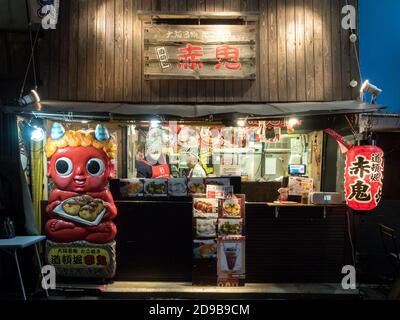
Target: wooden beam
<point>234,15</point>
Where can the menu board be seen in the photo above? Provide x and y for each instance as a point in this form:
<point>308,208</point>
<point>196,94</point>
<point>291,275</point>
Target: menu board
<point>130,188</point>
<point>231,260</point>
<point>177,187</point>
<point>299,185</point>
<point>218,237</point>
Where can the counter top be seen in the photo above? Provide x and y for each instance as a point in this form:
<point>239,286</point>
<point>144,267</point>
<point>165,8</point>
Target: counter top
<point>189,200</point>
<point>275,204</point>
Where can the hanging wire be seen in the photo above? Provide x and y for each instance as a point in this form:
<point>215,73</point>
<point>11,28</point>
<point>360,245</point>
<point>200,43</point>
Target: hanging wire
<point>33,55</point>
<point>31,58</point>
<point>356,51</point>
<point>353,131</point>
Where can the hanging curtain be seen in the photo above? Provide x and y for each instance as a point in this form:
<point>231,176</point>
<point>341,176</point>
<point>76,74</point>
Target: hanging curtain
<point>37,172</point>
<point>9,136</point>
<point>20,203</point>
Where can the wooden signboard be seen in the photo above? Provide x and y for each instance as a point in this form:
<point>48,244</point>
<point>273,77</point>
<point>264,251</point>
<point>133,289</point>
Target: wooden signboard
<point>199,51</point>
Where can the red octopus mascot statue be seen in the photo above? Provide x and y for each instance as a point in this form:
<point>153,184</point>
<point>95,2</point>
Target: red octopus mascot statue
<point>80,212</point>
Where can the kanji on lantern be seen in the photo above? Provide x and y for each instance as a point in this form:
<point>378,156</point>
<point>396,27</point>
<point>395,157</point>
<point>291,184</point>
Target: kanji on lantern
<point>188,57</point>
<point>364,177</point>
<point>227,57</point>
<point>360,167</point>
<point>360,191</point>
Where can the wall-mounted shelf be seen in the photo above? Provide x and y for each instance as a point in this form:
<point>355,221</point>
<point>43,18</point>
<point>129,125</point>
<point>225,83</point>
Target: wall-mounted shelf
<point>278,206</point>
<point>202,15</point>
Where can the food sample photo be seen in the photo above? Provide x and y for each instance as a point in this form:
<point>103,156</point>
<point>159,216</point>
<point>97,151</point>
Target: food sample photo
<point>204,249</point>
<point>205,208</point>
<point>206,228</point>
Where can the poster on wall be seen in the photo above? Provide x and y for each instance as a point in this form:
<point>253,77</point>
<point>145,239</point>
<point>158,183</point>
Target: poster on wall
<point>79,224</point>
<point>199,52</point>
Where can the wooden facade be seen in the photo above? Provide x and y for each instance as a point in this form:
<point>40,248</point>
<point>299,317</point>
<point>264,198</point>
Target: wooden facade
<point>96,54</point>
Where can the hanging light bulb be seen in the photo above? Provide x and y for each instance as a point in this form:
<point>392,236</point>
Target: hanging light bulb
<point>155,123</point>
<point>293,122</point>
<point>37,134</point>
<point>241,122</point>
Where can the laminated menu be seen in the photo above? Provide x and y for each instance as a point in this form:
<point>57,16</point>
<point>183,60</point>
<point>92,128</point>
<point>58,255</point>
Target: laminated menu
<point>231,257</point>
<point>229,227</point>
<point>232,207</point>
<point>299,185</point>
<point>205,208</point>
<point>196,185</point>
<point>218,192</point>
<point>177,187</point>
<point>206,228</point>
<point>204,249</point>
<point>156,187</point>
<point>131,187</point>
<point>218,181</point>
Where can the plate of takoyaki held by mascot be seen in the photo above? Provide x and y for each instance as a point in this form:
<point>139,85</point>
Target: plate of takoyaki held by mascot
<point>83,209</point>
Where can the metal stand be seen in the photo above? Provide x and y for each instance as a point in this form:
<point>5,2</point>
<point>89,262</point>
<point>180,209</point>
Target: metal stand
<point>40,268</point>
<point>276,212</point>
<point>19,273</point>
<point>14,253</point>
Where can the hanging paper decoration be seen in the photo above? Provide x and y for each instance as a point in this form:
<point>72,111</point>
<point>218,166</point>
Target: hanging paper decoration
<point>364,177</point>
<point>57,131</point>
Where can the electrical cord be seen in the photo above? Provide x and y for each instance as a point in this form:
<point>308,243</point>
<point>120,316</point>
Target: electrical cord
<point>29,64</point>
<point>356,52</point>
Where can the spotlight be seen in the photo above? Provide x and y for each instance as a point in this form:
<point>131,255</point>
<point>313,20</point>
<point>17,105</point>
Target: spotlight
<point>241,123</point>
<point>32,130</point>
<point>155,123</point>
<point>368,87</point>
<point>37,134</point>
<point>293,122</point>
<point>32,97</point>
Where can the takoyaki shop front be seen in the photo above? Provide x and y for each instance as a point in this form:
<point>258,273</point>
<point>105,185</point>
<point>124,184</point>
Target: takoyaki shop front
<point>134,202</point>
<point>186,149</point>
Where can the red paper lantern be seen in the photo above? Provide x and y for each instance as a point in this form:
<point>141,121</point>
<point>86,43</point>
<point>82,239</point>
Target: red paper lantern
<point>364,177</point>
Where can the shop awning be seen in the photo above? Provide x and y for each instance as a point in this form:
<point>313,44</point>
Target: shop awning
<point>270,110</point>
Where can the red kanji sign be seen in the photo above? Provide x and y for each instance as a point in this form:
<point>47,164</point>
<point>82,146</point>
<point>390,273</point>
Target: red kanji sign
<point>200,52</point>
<point>364,177</point>
<point>189,55</point>
<point>227,57</point>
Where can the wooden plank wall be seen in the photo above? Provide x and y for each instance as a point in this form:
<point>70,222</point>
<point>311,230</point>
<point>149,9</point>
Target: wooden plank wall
<point>96,54</point>
<point>14,56</point>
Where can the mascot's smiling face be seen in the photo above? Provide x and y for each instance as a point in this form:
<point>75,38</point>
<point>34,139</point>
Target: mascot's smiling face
<point>80,160</point>
<point>80,169</point>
